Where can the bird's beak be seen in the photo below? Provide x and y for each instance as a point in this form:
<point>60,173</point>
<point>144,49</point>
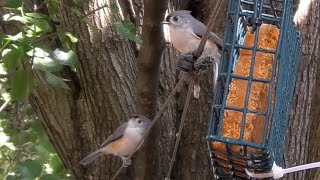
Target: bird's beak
<point>166,30</point>
<point>164,22</point>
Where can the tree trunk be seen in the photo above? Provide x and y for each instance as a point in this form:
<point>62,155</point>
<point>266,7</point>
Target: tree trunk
<point>192,161</point>
<point>102,92</point>
<point>105,93</point>
<point>311,31</point>
<point>302,141</point>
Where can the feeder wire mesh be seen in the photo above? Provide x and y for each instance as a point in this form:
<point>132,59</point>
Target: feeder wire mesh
<point>255,87</point>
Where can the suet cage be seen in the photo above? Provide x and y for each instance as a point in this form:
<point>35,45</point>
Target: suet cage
<point>256,81</point>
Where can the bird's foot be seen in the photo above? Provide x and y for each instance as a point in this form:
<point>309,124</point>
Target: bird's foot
<point>125,161</point>
<point>186,61</point>
<point>203,62</point>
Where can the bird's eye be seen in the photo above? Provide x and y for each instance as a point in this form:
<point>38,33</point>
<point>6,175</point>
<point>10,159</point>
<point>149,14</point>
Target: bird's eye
<point>135,116</point>
<point>175,18</point>
<point>139,121</point>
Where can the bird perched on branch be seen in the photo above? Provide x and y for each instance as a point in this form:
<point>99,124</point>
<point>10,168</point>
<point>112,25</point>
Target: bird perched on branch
<point>185,33</point>
<point>123,142</point>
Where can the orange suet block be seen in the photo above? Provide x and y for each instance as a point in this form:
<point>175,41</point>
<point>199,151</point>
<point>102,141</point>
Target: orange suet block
<point>258,98</point>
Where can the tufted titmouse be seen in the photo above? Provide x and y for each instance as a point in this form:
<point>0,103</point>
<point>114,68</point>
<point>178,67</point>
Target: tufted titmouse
<point>123,142</point>
<point>185,33</point>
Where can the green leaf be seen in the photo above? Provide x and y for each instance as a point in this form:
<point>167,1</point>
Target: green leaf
<point>16,17</point>
<point>15,37</point>
<point>11,59</point>
<point>66,38</point>
<point>24,48</point>
<point>22,170</point>
<point>128,30</point>
<point>55,81</point>
<point>21,85</point>
<point>36,15</point>
<point>76,11</point>
<point>13,4</point>
<point>38,52</point>
<point>114,8</point>
<point>48,145</point>
<point>43,60</point>
<point>42,152</point>
<point>53,8</point>
<point>44,25</point>
<point>12,17</point>
<point>49,177</point>
<point>80,2</point>
<point>34,168</point>
<point>65,56</point>
<point>31,137</point>
<point>2,40</point>
<point>56,164</point>
<point>37,127</point>
<point>46,64</point>
<point>71,37</point>
<point>11,177</point>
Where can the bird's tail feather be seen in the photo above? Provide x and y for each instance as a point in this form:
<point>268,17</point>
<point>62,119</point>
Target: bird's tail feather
<point>91,157</point>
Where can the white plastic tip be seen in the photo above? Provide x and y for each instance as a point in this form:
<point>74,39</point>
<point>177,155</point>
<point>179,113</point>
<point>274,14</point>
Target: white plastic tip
<point>276,172</point>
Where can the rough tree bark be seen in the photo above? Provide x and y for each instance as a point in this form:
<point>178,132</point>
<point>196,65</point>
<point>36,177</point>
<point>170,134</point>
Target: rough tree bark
<point>192,160</point>
<point>149,71</point>
<point>104,91</point>
<point>103,95</point>
<point>302,136</point>
<point>310,28</point>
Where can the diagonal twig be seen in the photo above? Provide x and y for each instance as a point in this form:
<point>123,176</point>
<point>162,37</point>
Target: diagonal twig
<point>191,83</point>
<point>170,97</point>
<point>183,117</point>
<point>155,119</point>
<point>209,26</point>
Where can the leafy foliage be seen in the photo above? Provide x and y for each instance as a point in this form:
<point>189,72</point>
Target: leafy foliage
<point>21,83</point>
<point>55,81</point>
<point>25,150</point>
<point>128,29</point>
<point>23,46</point>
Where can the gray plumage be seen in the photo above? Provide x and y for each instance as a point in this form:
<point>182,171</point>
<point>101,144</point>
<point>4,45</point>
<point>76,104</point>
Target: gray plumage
<point>185,35</point>
<point>126,139</point>
<point>198,27</point>
<point>87,160</point>
<point>118,133</point>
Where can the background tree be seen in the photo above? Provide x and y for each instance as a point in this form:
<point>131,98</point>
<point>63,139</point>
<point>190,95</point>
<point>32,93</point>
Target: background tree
<point>103,88</point>
<point>302,136</point>
<point>115,77</point>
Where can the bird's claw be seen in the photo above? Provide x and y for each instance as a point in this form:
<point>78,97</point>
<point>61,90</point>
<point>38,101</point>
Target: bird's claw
<point>186,61</point>
<point>203,62</point>
<point>126,162</point>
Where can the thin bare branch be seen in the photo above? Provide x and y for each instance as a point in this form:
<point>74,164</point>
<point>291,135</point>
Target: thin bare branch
<point>156,118</point>
<point>183,118</point>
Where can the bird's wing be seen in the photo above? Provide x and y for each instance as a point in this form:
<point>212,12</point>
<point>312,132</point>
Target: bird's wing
<point>200,29</point>
<point>118,133</point>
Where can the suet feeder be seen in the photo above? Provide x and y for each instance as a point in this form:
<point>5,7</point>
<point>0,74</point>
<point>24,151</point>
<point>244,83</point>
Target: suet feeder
<point>256,81</point>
